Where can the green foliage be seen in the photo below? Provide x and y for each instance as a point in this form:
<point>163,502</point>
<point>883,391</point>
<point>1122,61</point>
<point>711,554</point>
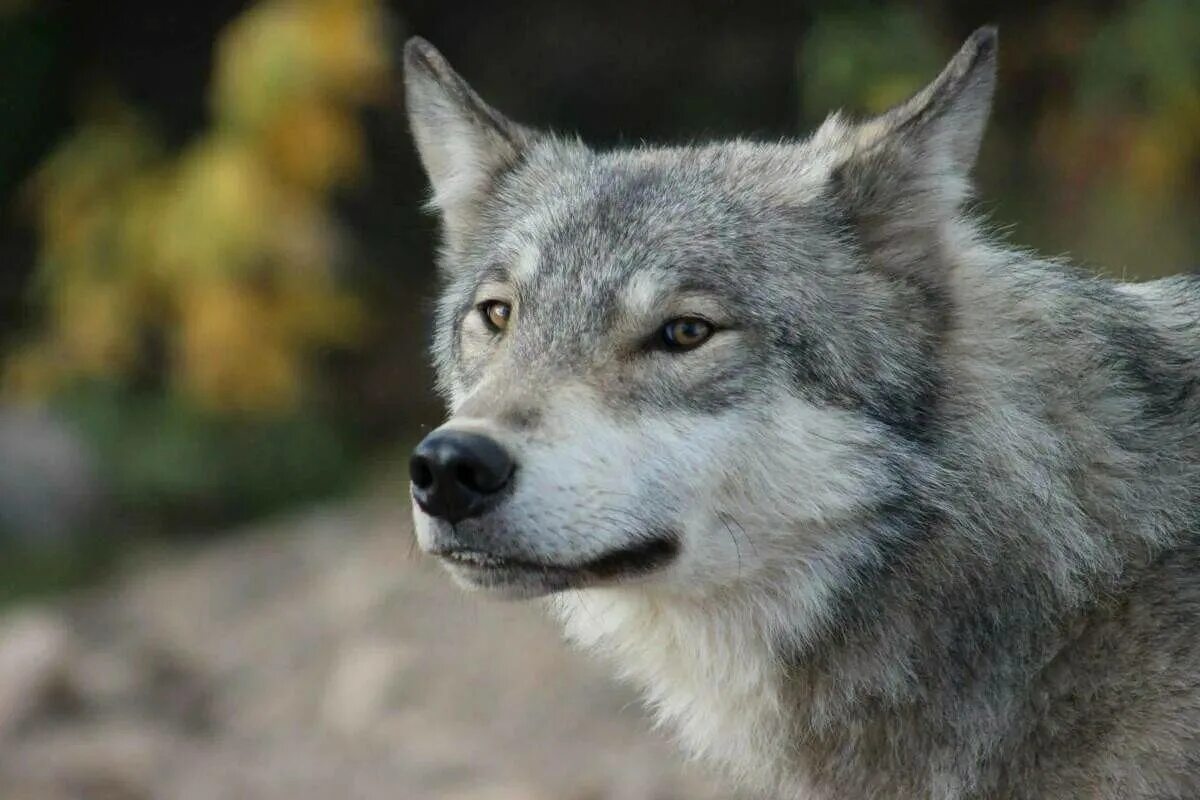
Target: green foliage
<point>1148,56</point>
<point>169,462</point>
<point>866,60</point>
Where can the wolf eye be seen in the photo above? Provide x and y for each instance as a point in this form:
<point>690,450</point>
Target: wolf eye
<point>686,333</point>
<point>495,313</point>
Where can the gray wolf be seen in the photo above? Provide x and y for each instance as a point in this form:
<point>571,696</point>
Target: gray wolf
<point>870,504</point>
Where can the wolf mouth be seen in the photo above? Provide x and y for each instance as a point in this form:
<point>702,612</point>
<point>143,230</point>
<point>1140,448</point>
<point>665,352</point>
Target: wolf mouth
<point>492,569</point>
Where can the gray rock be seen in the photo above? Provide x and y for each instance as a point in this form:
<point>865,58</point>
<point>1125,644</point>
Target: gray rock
<point>49,485</point>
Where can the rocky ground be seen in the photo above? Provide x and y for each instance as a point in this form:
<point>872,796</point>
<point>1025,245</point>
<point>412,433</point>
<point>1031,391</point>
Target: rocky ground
<point>315,657</point>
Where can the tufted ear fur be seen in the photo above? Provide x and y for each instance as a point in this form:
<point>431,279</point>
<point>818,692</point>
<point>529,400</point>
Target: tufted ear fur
<point>902,175</point>
<point>463,142</point>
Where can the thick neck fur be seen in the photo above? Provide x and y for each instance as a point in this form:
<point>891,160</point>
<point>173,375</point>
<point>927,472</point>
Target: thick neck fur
<point>1055,474</point>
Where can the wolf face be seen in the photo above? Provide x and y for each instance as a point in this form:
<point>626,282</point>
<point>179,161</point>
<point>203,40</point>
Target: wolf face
<point>689,369</point>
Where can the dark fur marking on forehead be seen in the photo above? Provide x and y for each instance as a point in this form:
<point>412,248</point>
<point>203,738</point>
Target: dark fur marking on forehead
<point>626,191</point>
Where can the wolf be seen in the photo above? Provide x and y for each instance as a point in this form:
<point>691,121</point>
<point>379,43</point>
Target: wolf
<point>869,503</point>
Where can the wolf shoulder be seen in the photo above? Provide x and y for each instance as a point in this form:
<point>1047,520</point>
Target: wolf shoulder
<point>1136,663</point>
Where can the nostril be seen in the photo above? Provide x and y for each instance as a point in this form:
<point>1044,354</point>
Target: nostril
<point>420,472</point>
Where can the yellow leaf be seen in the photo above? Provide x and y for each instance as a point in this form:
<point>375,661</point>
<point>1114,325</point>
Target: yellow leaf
<point>314,144</point>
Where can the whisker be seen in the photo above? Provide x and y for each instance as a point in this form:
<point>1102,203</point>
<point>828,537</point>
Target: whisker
<point>736,547</point>
<point>745,535</point>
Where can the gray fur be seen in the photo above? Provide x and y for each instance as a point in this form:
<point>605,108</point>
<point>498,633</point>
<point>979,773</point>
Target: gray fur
<point>926,508</point>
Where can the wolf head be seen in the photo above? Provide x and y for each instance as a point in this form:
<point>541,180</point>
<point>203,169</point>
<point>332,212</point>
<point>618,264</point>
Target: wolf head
<point>684,369</point>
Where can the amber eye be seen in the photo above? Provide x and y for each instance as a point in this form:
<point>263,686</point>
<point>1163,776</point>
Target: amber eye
<point>686,333</point>
<point>496,314</point>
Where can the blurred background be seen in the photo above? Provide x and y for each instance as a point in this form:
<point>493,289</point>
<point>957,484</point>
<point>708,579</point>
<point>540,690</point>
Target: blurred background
<point>215,284</point>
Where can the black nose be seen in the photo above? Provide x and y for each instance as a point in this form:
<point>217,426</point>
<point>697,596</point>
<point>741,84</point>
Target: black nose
<point>456,475</point>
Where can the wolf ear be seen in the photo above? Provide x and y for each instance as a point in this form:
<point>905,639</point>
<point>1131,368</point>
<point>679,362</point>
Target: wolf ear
<point>463,142</point>
<point>904,173</point>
